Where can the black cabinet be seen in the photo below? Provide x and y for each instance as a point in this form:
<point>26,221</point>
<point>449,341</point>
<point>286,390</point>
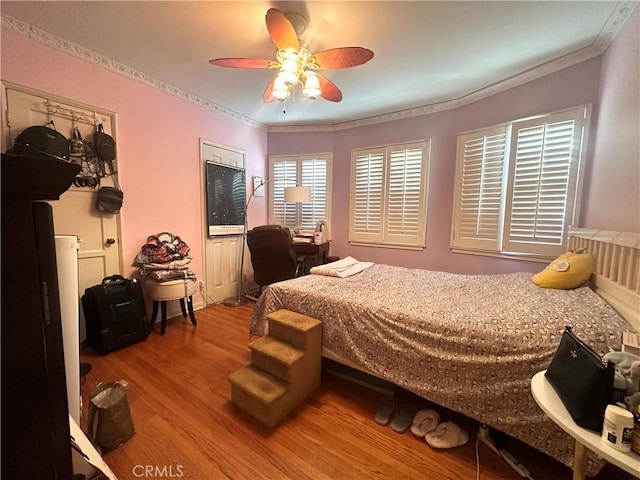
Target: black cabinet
<point>35,421</point>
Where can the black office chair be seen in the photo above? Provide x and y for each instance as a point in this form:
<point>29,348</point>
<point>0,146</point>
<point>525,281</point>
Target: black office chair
<point>272,257</point>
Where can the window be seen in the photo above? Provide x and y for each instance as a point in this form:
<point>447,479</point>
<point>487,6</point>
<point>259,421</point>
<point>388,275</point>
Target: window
<point>313,171</point>
<point>389,195</point>
<point>517,184</point>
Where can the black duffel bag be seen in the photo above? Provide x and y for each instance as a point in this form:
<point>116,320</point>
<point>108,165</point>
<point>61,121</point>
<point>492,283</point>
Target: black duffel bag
<point>39,141</point>
<point>115,314</point>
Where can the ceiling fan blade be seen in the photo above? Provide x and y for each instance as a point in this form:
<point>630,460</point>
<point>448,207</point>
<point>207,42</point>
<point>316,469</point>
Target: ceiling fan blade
<point>344,57</point>
<point>328,89</point>
<point>267,96</point>
<point>244,63</point>
<point>281,31</point>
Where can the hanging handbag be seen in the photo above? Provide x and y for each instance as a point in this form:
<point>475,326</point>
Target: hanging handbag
<point>582,381</point>
<point>76,144</point>
<point>105,148</point>
<point>82,154</point>
<point>109,199</point>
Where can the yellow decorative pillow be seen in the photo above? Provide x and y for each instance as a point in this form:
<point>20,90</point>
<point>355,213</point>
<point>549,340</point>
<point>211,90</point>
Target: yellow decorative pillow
<point>569,270</point>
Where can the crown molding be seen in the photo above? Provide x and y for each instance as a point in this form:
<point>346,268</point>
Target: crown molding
<point>71,48</point>
<point>616,20</point>
<point>484,92</point>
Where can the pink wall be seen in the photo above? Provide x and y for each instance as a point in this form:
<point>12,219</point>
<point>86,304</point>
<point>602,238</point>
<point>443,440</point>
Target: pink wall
<point>614,181</point>
<point>570,87</point>
<point>157,137</point>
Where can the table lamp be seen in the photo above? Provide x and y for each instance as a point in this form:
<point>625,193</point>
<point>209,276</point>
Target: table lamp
<point>297,195</point>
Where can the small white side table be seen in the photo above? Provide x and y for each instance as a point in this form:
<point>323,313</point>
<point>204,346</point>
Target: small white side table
<point>548,400</point>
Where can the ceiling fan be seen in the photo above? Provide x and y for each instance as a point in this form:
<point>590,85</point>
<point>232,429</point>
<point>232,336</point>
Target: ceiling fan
<point>296,65</point>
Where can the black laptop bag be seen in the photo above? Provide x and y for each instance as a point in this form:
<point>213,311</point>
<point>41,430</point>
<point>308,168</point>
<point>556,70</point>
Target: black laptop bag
<point>115,314</point>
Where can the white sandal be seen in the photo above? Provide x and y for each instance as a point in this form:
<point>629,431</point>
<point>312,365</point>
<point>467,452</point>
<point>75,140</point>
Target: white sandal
<point>425,421</point>
<point>447,435</point>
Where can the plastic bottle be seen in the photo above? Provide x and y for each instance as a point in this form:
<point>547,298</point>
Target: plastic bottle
<point>618,428</point>
<point>635,437</point>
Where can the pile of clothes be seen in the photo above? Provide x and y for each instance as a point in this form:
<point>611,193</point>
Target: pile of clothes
<point>626,380</point>
<point>164,257</point>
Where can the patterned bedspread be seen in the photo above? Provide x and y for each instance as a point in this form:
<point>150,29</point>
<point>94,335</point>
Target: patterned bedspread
<point>470,343</point>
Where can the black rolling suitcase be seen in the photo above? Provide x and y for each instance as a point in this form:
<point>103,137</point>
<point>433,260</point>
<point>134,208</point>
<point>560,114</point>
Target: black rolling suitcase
<point>115,314</point>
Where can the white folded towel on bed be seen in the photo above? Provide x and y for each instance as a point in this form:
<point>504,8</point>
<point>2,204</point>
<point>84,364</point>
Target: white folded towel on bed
<point>342,268</point>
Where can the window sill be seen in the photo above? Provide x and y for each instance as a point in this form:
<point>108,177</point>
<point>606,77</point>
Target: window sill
<point>527,257</point>
<point>388,245</point>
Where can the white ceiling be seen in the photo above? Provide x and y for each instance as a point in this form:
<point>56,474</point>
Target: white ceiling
<point>426,53</point>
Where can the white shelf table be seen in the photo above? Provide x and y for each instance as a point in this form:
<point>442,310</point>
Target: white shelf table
<point>548,400</point>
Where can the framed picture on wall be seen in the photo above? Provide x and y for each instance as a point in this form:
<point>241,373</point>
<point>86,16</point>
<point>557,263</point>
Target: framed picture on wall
<point>258,187</point>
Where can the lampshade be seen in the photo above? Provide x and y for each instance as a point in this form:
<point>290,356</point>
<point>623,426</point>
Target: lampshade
<point>297,194</point>
<point>312,86</point>
<point>280,88</point>
<point>289,71</point>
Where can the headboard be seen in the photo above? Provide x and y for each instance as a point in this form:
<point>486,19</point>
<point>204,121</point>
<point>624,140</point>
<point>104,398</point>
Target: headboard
<point>617,275</point>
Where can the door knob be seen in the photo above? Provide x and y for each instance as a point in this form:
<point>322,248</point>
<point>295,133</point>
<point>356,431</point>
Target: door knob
<point>111,241</point>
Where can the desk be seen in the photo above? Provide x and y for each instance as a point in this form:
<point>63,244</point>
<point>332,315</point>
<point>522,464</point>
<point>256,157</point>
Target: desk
<point>315,254</point>
<point>548,400</point>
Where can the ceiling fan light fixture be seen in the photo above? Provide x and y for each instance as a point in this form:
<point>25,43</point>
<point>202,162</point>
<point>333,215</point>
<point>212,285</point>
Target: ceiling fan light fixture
<point>280,88</point>
<point>311,86</point>
<point>289,68</point>
<point>294,62</point>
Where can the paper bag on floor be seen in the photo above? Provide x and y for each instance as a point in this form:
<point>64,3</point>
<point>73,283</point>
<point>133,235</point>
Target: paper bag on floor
<point>110,424</point>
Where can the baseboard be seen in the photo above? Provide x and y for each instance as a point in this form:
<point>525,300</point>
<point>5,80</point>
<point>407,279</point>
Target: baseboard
<point>198,306</point>
<point>173,309</point>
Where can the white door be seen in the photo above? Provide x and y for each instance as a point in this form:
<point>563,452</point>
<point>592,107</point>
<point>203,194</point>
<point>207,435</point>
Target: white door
<point>222,253</point>
<point>223,262</point>
<point>74,213</point>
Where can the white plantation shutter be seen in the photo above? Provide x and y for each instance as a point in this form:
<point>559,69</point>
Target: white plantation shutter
<point>314,176</point>
<point>517,185</point>
<point>313,171</point>
<point>541,197</point>
<point>479,189</point>
<point>389,195</point>
<point>283,174</point>
<point>406,196</point>
<point>367,197</point>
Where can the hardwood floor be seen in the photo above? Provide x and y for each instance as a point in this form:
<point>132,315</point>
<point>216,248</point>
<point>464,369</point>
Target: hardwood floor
<point>186,426</point>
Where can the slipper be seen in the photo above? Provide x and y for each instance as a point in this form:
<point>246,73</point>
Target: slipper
<point>385,410</point>
<point>447,435</point>
<point>403,418</point>
<point>425,421</point>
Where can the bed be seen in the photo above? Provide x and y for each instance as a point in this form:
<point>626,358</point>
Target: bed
<point>470,343</point>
